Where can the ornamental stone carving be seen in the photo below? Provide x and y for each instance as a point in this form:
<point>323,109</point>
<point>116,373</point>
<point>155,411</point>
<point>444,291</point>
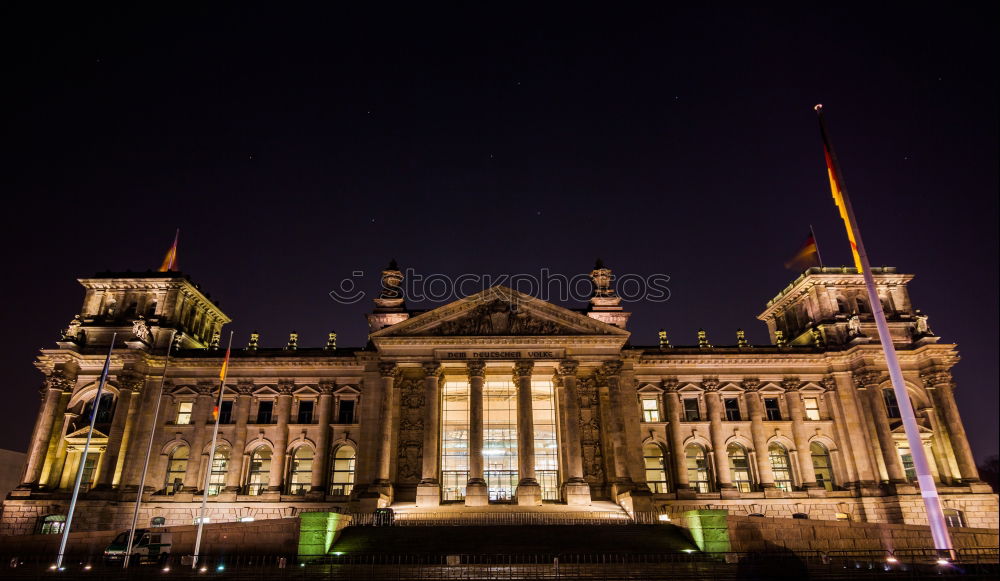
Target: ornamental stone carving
<point>72,330</point>
<point>523,369</point>
<point>750,384</point>
<point>286,387</point>
<point>567,367</point>
<point>205,387</point>
<point>244,387</point>
<point>388,369</point>
<point>500,317</point>
<point>865,378</point>
<point>411,426</point>
<point>326,386</point>
<point>934,378</point>
<point>476,368</point>
<point>433,369</point>
<point>710,384</point>
<point>140,329</point>
<point>670,384</point>
<point>56,380</point>
<point>829,383</point>
<point>791,383</point>
<point>131,382</point>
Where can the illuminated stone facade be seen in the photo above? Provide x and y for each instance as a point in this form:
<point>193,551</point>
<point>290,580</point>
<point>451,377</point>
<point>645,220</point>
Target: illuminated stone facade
<point>496,401</point>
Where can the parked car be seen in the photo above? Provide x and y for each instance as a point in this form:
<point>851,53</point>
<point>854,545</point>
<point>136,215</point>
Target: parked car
<point>148,546</point>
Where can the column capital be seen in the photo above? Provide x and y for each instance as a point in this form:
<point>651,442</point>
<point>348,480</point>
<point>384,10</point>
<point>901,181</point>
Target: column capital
<point>710,384</point>
<point>670,384</point>
<point>433,369</point>
<point>327,386</point>
<point>866,377</point>
<point>934,378</point>
<point>523,369</point>
<point>611,367</point>
<point>129,381</point>
<point>568,368</point>
<point>285,387</point>
<point>791,383</point>
<point>205,388</point>
<point>476,368</point>
<point>58,381</point>
<point>829,383</point>
<point>388,369</point>
<point>751,384</point>
<point>244,387</point>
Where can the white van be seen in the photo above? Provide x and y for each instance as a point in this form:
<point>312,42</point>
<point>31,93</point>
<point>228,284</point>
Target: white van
<point>148,546</point>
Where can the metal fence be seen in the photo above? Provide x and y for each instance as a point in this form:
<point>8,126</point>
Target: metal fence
<point>909,564</point>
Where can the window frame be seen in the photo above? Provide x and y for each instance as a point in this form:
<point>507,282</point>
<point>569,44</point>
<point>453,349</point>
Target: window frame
<point>650,415</point>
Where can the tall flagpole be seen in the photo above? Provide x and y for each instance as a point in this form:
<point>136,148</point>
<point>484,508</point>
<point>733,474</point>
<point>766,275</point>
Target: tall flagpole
<point>83,458</point>
<point>149,452</point>
<point>925,480</point>
<point>816,242</point>
<point>211,452</point>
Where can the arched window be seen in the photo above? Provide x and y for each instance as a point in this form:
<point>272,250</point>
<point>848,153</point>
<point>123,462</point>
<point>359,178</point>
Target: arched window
<point>781,467</point>
<point>656,473</point>
<point>260,470</point>
<point>821,465</point>
<point>739,467</point>
<point>105,411</point>
<point>220,466</point>
<point>697,468</point>
<point>342,477</point>
<point>177,464</point>
<point>300,470</point>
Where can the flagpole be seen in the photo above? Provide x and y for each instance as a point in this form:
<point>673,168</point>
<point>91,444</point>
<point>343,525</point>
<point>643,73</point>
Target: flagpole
<point>211,453</point>
<point>83,458</point>
<point>149,452</point>
<point>816,242</point>
<point>925,480</point>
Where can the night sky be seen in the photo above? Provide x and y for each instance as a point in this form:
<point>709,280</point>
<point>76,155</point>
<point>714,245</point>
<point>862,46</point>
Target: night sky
<point>294,148</point>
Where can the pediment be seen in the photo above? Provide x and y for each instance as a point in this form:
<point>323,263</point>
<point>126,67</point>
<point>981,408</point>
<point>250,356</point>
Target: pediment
<point>81,434</point>
<point>500,311</point>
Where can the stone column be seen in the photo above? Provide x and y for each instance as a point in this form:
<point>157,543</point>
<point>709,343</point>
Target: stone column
<point>842,431</point>
<point>475,489</point>
<point>120,478</point>
<point>51,393</point>
<point>322,457</point>
<point>388,371</point>
<point>429,489</point>
<point>609,374</point>
<point>713,401</point>
<point>123,407</point>
<point>528,492</point>
<point>942,388</point>
<point>876,406</point>
<point>51,458</point>
<point>673,401</point>
<point>796,412</point>
<point>236,460</point>
<point>58,472</point>
<point>756,410</point>
<point>576,491</point>
<point>199,419</point>
<point>276,479</point>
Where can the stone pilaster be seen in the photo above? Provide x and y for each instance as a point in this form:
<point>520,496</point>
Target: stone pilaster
<point>796,413</point>
<point>870,381</point>
<point>55,385</point>
<point>609,375</point>
<point>475,489</point>
<point>941,386</point>
<point>137,385</point>
<point>244,389</point>
<point>673,404</point>
<point>276,479</point>
<point>382,485</point>
<point>429,488</point>
<point>528,492</point>
<point>576,491</point>
<point>199,419</point>
<point>321,459</point>
<point>756,410</point>
<point>713,403</point>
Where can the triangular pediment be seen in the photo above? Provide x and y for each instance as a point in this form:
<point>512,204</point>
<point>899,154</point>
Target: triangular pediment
<point>81,434</point>
<point>499,311</point>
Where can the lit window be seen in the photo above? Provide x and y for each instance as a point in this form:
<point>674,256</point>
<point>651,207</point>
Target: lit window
<point>772,409</point>
<point>543,414</point>
<point>781,467</point>
<point>454,439</point>
<point>260,470</point>
<point>184,412</point>
<point>739,467</point>
<point>691,411</point>
<point>52,524</point>
<point>908,466</point>
<point>732,409</point>
<point>656,474</point>
<point>821,465</point>
<point>842,516</point>
<point>812,408</point>
<point>697,468</point>
<point>650,410</point>
<point>220,466</point>
<point>177,464</point>
<point>342,479</point>
<point>300,471</point>
<point>954,517</point>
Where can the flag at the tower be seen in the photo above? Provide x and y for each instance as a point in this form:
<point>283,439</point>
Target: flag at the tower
<point>838,196</point>
<point>170,260</point>
<point>807,255</point>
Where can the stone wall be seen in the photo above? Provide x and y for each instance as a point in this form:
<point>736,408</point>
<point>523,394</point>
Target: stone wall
<point>269,537</point>
<point>760,533</point>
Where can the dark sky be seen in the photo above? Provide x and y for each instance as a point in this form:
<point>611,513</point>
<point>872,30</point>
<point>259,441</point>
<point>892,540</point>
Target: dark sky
<point>293,148</point>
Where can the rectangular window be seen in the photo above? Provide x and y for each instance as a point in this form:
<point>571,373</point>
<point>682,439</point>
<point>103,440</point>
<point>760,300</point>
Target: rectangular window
<point>265,410</point>
<point>543,415</point>
<point>454,439</point>
<point>812,408</point>
<point>305,412</point>
<point>346,413</point>
<point>772,409</point>
<point>891,403</point>
<point>500,439</point>
<point>650,410</point>
<point>691,412</point>
<point>226,413</point>
<point>184,413</point>
<point>732,409</point>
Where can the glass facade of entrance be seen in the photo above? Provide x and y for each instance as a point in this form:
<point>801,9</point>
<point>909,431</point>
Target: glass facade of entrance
<point>500,439</point>
<point>454,440</point>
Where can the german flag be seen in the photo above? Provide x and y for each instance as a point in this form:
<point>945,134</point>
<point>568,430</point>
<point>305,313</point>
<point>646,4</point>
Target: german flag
<point>170,260</point>
<point>808,255</point>
<point>838,193</point>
